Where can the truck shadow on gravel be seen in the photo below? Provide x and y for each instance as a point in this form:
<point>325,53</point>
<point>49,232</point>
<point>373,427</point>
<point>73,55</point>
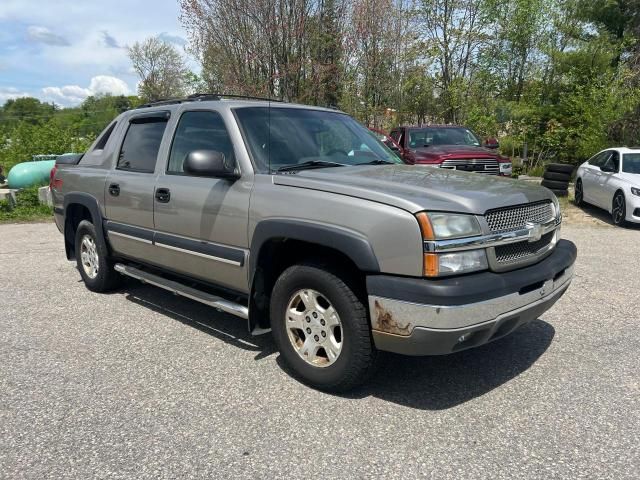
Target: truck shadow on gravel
<point>425,383</point>
<point>220,325</point>
<point>441,382</point>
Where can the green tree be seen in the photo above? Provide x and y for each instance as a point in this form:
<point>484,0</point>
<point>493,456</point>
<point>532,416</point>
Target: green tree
<point>160,67</point>
<point>25,140</point>
<point>26,109</point>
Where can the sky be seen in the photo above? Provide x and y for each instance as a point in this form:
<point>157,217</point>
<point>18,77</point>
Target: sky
<point>62,51</point>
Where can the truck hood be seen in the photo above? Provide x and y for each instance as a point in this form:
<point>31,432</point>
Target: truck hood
<point>453,151</point>
<point>415,188</point>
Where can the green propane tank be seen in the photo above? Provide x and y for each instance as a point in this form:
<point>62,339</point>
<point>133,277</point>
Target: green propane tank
<point>27,174</point>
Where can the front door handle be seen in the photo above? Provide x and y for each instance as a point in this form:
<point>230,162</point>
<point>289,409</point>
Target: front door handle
<point>163,195</point>
<point>114,189</point>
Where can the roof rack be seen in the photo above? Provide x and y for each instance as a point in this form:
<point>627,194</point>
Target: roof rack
<point>203,97</point>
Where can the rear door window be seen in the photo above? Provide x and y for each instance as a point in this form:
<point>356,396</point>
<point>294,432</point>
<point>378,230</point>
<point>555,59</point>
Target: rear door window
<point>139,151</point>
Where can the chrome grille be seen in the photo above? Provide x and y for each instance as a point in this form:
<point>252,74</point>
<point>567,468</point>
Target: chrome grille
<point>488,166</point>
<point>513,218</point>
<point>516,251</point>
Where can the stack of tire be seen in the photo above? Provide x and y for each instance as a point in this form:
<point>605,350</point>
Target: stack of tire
<point>556,178</point>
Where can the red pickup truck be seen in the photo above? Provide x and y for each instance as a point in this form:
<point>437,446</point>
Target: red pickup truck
<point>450,146</point>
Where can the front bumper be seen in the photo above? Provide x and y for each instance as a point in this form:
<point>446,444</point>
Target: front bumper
<point>435,317</point>
<point>633,207</point>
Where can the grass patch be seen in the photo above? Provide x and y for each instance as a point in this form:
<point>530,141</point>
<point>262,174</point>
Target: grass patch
<point>26,209</point>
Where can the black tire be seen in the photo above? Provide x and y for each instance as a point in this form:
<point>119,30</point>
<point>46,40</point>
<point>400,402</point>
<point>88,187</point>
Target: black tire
<point>106,278</point>
<point>579,193</point>
<point>619,210</point>
<point>560,168</point>
<point>560,177</point>
<point>357,358</point>
<point>555,185</point>
<point>560,193</point>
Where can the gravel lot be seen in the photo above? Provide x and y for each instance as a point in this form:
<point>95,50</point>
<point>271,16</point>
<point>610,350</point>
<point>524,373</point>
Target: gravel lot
<point>140,384</point>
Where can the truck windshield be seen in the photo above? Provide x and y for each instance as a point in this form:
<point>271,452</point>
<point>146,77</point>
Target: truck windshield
<point>425,137</point>
<point>288,139</point>
<point>631,163</point>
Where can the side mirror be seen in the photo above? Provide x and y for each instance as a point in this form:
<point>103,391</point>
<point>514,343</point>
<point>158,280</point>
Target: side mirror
<point>492,143</point>
<point>606,169</point>
<point>209,163</point>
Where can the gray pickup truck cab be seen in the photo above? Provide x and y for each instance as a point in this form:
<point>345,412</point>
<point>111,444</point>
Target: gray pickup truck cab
<point>300,221</point>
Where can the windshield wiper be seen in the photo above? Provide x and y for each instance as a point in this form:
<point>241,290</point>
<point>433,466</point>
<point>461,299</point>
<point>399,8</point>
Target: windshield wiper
<point>377,162</point>
<point>308,165</point>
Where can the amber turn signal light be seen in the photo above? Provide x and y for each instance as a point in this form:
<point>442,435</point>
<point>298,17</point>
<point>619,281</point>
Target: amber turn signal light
<point>425,226</point>
<point>431,265</point>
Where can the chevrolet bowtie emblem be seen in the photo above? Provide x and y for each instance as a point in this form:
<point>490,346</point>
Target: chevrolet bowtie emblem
<point>535,231</point>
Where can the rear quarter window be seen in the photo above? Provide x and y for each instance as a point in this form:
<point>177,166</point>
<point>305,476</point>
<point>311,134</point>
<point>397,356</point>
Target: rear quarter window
<point>139,151</point>
<point>94,156</point>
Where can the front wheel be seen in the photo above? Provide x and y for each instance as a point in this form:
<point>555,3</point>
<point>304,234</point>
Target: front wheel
<point>321,328</point>
<point>619,210</point>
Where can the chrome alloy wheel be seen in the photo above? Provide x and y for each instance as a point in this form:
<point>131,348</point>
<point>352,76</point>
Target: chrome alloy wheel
<point>89,256</point>
<point>314,328</point>
<point>619,209</point>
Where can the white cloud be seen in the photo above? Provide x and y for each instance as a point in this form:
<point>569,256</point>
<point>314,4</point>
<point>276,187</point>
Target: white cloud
<point>108,84</point>
<point>67,95</point>
<point>74,94</point>
<point>44,35</point>
<point>8,93</point>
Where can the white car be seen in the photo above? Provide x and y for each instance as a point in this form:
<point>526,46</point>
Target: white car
<point>611,180</point>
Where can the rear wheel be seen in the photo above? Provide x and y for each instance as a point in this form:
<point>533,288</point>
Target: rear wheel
<point>619,210</point>
<point>579,195</point>
<point>321,328</point>
<point>92,260</point>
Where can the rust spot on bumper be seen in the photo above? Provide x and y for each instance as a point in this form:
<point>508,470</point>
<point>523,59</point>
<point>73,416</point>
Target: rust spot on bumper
<point>384,321</point>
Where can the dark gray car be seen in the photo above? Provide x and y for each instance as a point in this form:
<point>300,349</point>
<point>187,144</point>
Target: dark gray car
<point>299,220</point>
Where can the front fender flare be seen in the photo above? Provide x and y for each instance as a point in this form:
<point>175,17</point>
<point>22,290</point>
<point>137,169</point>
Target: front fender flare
<point>353,244</point>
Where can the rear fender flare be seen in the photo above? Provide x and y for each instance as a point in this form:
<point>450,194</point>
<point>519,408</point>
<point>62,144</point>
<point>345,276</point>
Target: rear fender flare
<point>91,204</point>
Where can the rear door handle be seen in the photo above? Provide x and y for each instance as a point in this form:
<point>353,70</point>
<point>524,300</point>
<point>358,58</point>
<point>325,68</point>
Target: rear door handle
<point>114,189</point>
<point>163,195</point>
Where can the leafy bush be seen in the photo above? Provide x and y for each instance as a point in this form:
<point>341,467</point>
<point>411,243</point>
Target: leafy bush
<point>27,207</point>
<point>536,171</point>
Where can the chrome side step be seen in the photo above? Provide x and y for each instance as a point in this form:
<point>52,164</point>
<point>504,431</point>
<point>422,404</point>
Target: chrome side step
<point>218,303</point>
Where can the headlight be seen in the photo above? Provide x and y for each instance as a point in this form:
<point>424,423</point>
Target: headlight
<point>448,226</point>
<point>505,167</point>
<point>556,207</point>
<point>635,191</point>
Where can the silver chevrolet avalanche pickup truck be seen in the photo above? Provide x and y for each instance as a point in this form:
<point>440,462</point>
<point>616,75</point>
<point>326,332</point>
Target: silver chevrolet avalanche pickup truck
<point>300,221</point>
